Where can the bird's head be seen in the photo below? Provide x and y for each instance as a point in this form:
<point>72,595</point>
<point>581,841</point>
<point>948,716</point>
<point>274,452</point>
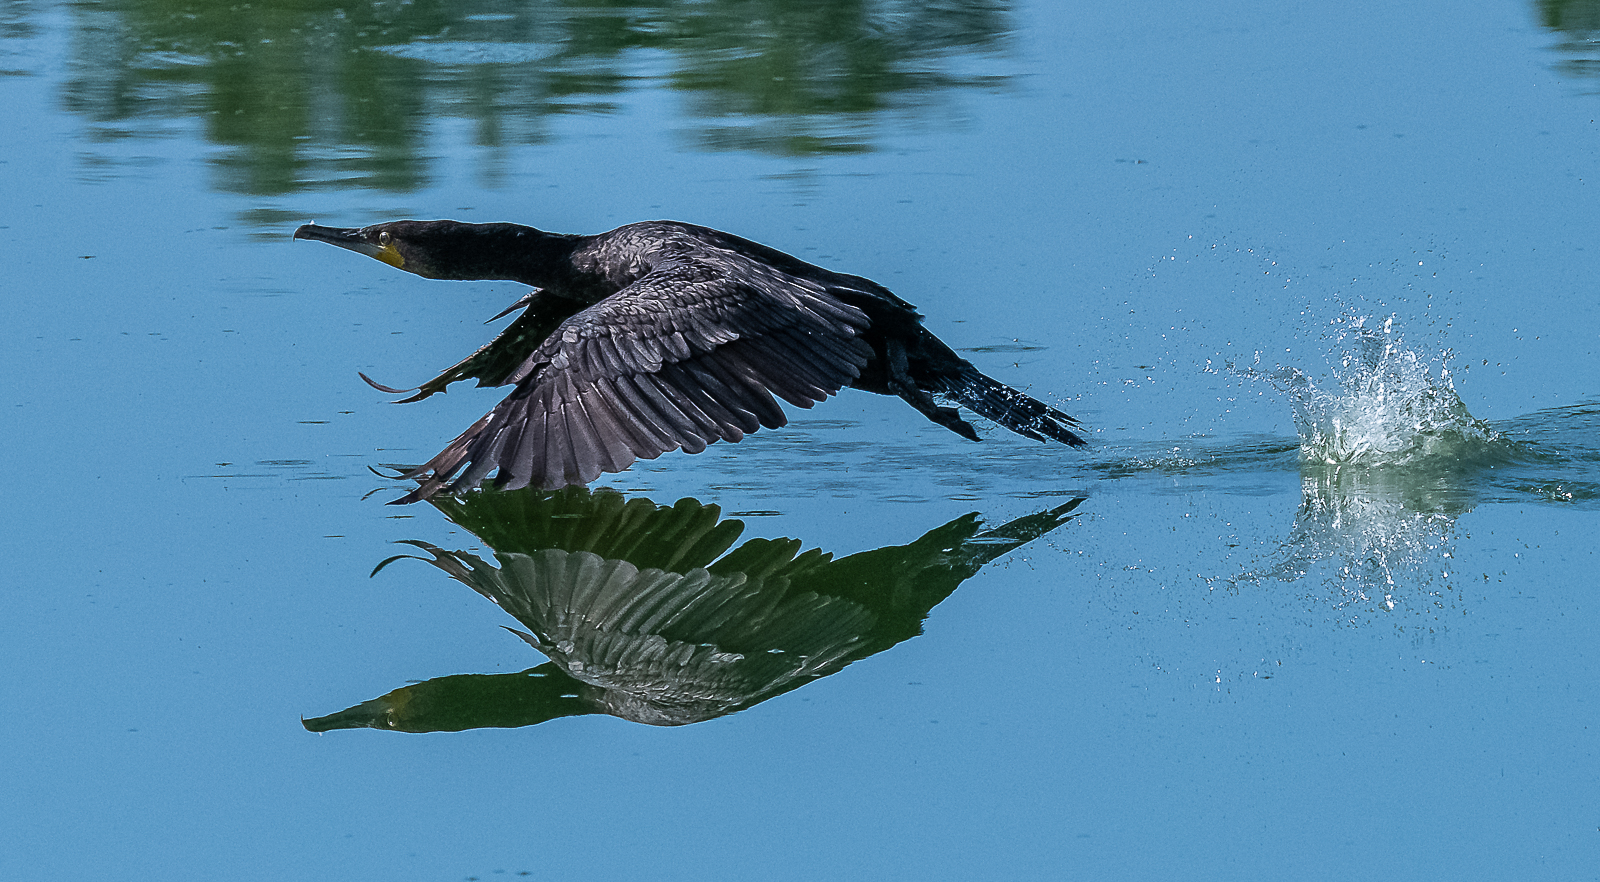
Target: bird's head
<point>439,249</point>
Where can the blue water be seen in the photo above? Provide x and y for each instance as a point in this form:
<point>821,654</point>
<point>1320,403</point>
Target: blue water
<point>1320,282</point>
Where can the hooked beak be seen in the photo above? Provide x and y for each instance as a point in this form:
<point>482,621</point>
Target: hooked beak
<point>352,240</point>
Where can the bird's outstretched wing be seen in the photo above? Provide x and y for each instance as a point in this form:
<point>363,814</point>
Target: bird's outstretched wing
<point>690,354</point>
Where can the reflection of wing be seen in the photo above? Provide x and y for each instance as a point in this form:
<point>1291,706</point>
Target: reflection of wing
<point>687,355</point>
<point>646,615</point>
<point>667,648</point>
<point>679,537</point>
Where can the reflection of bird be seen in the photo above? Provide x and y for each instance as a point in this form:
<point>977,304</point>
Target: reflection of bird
<point>663,335</point>
<point>646,615</point>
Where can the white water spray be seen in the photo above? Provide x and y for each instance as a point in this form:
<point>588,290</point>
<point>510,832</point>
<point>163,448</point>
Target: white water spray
<point>1384,407</point>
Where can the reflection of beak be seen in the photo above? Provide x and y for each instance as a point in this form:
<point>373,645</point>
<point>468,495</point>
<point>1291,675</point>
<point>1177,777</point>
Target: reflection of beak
<point>352,240</point>
<point>374,714</point>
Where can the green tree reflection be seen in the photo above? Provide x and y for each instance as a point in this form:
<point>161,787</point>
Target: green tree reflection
<point>1578,24</point>
<point>309,93</point>
<point>646,615</point>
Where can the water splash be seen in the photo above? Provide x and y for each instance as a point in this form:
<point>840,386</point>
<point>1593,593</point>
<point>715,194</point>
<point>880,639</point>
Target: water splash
<point>1377,539</point>
<point>1390,459</point>
<point>1389,456</point>
<point>1385,405</point>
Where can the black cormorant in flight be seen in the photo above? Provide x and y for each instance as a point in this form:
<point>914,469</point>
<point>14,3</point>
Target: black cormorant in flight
<point>663,335</point>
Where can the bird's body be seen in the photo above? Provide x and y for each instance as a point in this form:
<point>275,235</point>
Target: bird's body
<point>663,335</point>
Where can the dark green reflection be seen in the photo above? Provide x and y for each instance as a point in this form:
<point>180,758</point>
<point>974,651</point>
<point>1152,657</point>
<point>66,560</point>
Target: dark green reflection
<point>1578,24</point>
<point>16,23</point>
<point>645,614</point>
<point>310,93</point>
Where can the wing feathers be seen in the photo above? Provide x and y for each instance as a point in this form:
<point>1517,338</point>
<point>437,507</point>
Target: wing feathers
<point>732,398</point>
<point>616,453</point>
<point>775,377</point>
<point>751,392</point>
<point>690,354</point>
<point>645,433</point>
<point>528,459</point>
<point>557,449</point>
<point>680,424</point>
<point>703,425</point>
<point>724,420</point>
<point>587,448</point>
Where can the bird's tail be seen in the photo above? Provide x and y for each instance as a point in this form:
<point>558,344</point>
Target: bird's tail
<point>1017,411</point>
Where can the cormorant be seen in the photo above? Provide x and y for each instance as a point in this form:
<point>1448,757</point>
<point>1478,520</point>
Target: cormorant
<point>663,335</point>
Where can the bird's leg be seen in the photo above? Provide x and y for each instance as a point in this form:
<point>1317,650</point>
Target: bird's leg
<point>901,384</point>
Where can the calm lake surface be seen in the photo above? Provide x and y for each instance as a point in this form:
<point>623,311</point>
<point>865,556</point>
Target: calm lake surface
<point>1320,600</point>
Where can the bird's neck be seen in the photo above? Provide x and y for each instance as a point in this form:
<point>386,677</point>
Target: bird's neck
<point>516,253</point>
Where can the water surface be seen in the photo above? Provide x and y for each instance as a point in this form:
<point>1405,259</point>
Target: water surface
<point>1317,602</point>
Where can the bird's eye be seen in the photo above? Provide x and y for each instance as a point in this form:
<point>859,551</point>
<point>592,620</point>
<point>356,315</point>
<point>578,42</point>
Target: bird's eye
<point>384,238</point>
